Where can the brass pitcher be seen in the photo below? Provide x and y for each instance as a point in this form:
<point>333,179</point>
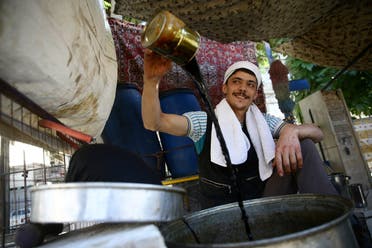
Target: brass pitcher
<point>168,36</point>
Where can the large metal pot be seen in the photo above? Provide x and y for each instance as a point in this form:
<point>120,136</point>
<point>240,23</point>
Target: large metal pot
<point>287,221</point>
<point>106,202</point>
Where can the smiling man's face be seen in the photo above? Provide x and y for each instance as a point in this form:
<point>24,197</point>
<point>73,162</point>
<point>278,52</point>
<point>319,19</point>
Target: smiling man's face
<point>240,90</point>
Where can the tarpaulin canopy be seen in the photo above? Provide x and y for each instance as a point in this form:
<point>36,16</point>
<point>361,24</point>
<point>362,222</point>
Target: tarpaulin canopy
<point>328,33</point>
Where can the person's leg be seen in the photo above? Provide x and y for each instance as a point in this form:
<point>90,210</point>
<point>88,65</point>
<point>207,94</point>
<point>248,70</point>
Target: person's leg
<point>277,185</point>
<point>312,178</point>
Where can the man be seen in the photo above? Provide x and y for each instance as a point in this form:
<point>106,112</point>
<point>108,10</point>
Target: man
<point>263,168</point>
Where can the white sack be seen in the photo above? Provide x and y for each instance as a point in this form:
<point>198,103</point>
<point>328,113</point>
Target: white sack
<point>61,55</point>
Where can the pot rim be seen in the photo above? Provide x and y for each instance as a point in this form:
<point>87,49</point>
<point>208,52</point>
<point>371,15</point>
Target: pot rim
<point>346,203</point>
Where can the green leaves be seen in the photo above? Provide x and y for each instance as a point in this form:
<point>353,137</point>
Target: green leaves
<point>106,5</point>
<point>355,85</point>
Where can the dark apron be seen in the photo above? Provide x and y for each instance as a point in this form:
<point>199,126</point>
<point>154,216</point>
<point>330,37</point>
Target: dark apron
<point>216,185</point>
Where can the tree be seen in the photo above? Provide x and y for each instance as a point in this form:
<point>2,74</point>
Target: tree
<point>356,86</point>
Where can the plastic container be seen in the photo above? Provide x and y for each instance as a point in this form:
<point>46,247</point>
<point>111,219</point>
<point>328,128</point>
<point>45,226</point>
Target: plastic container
<point>179,152</point>
<point>124,128</point>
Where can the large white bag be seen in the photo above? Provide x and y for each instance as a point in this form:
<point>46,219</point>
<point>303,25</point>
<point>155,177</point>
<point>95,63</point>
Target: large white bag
<point>61,55</point>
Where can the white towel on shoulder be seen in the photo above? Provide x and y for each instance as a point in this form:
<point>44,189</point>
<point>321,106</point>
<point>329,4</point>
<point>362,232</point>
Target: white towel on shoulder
<point>238,143</point>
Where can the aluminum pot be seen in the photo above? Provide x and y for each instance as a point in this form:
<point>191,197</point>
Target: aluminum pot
<point>106,202</point>
<point>287,221</point>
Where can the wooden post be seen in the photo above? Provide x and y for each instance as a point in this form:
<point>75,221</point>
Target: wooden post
<point>340,144</point>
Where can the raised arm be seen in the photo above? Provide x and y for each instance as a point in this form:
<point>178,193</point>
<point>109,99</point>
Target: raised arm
<point>155,67</point>
<point>288,156</point>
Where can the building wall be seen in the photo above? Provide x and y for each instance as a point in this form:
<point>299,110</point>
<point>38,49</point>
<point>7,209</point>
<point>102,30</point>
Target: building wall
<point>363,129</point>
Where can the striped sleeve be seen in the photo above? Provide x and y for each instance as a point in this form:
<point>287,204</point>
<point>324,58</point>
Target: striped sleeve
<point>197,124</point>
<point>275,124</point>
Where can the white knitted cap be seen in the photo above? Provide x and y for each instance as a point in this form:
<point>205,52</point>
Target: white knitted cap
<point>243,65</point>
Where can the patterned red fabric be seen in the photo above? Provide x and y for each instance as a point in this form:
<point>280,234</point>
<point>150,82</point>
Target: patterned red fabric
<point>213,59</point>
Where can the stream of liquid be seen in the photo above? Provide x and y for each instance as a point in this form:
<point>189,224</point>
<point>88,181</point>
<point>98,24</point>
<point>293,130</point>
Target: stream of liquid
<point>192,68</point>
